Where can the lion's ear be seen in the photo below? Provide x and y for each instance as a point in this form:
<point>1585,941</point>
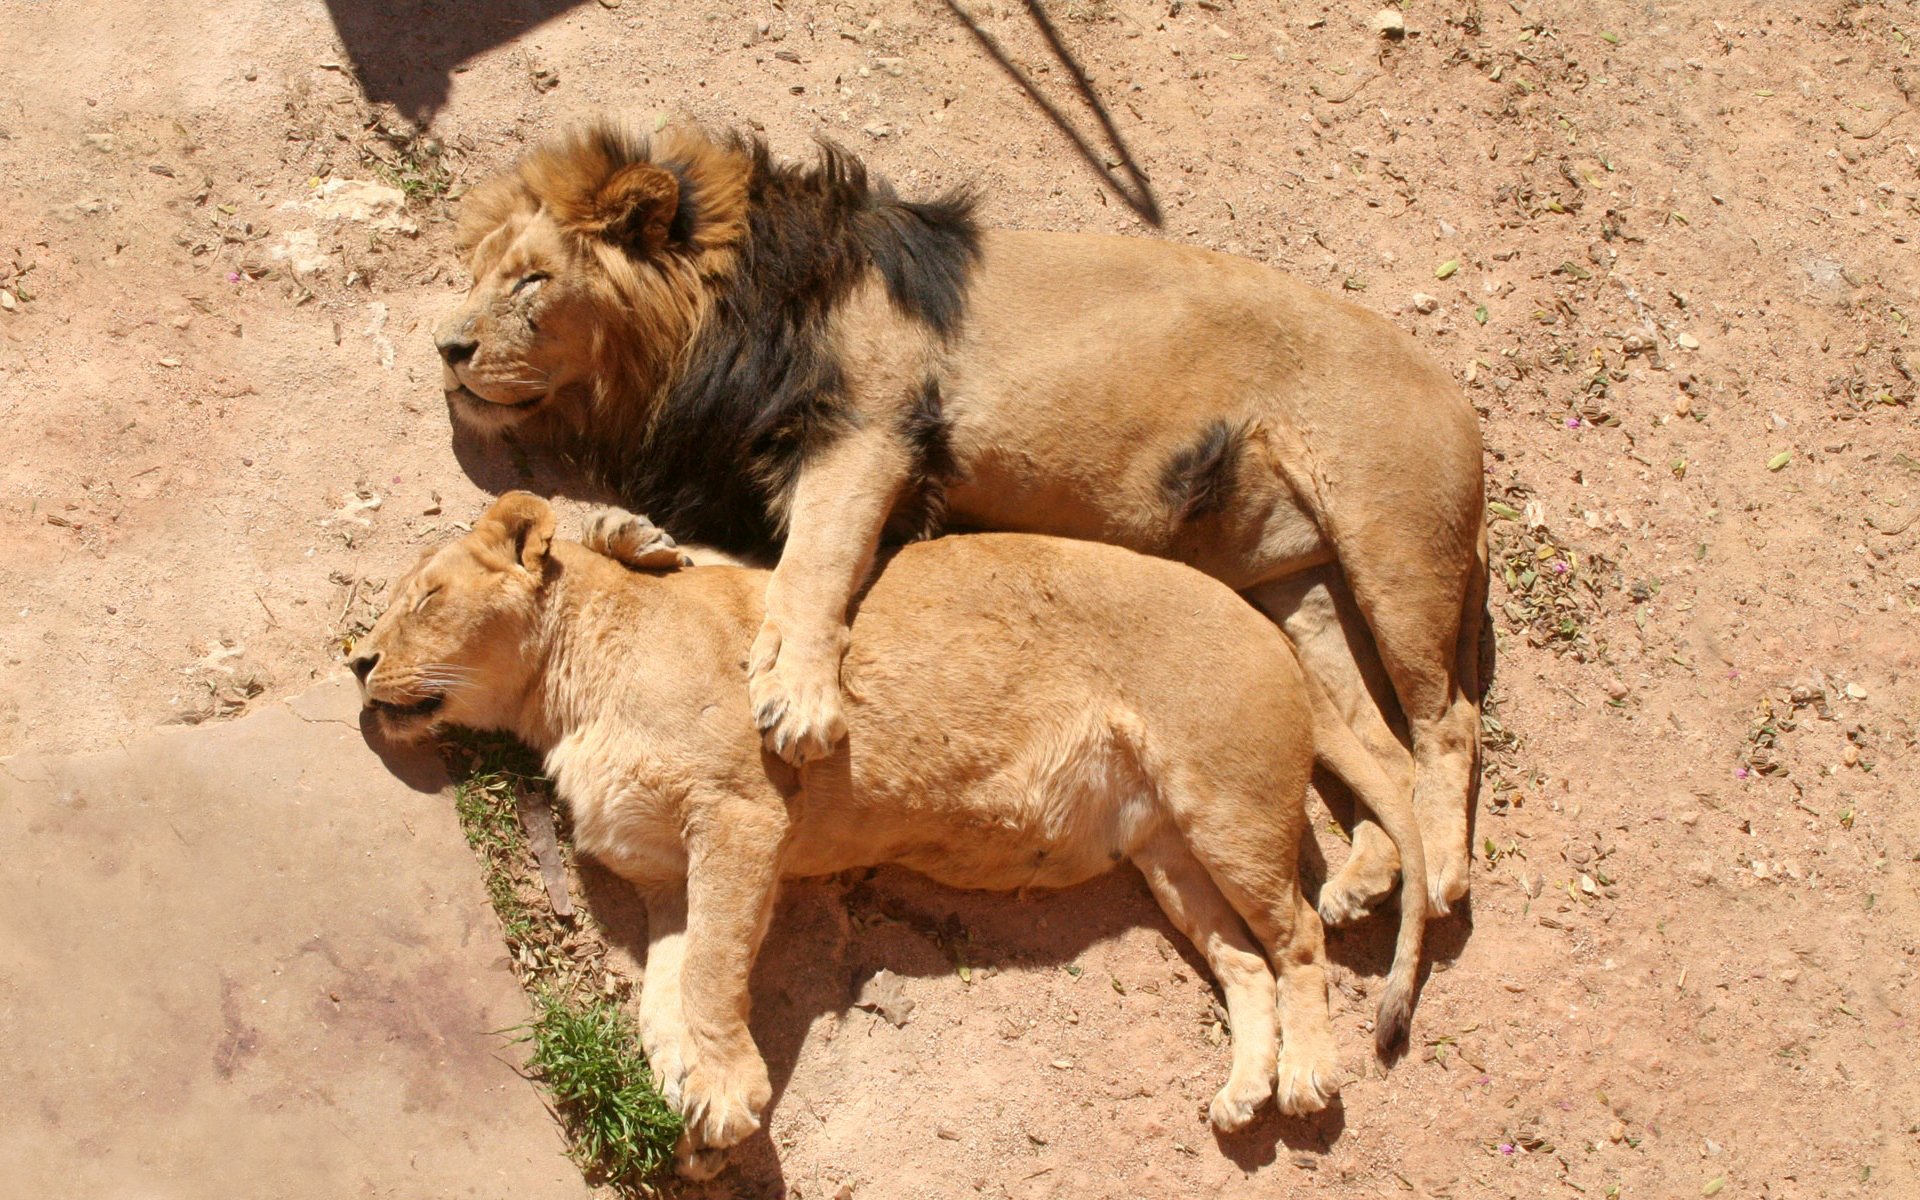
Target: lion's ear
<point>634,207</point>
<point>517,531</point>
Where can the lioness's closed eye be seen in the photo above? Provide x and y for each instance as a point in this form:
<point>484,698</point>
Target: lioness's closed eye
<point>1024,712</point>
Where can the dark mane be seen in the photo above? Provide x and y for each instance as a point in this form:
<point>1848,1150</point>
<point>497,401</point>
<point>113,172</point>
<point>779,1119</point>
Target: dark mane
<point>760,389</point>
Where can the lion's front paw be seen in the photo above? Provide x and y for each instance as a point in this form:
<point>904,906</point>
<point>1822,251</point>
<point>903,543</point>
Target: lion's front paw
<point>722,1101</point>
<point>1309,1076</point>
<point>632,539</point>
<point>795,699</point>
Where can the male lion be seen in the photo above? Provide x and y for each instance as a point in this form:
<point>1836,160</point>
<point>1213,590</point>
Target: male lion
<point>1022,712</point>
<point>765,356</point>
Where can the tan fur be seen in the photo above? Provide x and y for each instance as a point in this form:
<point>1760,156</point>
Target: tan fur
<point>1022,712</point>
<point>1081,368</point>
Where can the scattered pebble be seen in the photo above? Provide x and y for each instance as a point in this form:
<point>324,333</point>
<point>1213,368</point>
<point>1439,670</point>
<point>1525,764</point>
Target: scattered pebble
<point>1424,303</point>
<point>1390,23</point>
<point>1688,342</point>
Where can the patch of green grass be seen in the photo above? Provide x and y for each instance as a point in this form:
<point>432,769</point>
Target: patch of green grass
<point>588,1055</point>
<point>585,1049</point>
<point>410,161</point>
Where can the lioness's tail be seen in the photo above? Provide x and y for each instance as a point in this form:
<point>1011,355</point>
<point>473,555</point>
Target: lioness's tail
<point>1338,749</point>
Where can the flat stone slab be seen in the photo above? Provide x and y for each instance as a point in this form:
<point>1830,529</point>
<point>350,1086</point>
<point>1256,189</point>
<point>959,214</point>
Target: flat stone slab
<point>252,959</point>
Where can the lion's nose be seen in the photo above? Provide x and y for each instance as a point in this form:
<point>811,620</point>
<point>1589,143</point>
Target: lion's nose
<point>456,349</point>
<point>362,665</point>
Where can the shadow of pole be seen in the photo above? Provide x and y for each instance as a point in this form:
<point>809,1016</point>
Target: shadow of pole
<point>1135,192</point>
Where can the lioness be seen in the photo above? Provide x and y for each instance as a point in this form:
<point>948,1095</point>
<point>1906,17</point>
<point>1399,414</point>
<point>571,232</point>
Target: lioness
<point>767,356</point>
<point>1022,712</point>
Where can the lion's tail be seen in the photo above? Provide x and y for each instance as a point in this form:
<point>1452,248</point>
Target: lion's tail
<point>1338,749</point>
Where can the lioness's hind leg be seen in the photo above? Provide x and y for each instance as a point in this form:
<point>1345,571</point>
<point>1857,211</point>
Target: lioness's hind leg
<point>1251,851</point>
<point>1309,1073</point>
<point>1198,910</point>
<point>632,539</point>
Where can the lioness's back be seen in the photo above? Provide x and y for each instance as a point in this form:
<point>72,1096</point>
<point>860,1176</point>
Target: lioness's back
<point>959,628</point>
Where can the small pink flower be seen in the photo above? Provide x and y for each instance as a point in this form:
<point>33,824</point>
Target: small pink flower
<point>234,277</point>
<point>1559,567</point>
<point>1507,1148</point>
<point>1741,773</point>
<point>1573,422</point>
<point>1732,674</point>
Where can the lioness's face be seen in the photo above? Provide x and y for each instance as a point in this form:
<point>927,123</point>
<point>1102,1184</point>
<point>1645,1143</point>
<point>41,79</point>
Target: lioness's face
<point>457,644</point>
<point>520,342</point>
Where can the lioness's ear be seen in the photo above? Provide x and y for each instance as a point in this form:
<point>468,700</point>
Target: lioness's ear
<point>634,208</point>
<point>518,529</point>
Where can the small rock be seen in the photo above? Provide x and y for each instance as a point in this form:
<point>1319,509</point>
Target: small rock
<point>609,3</point>
<point>880,130</point>
<point>1618,1132</point>
<point>1390,23</point>
<point>250,74</point>
<point>845,1192</point>
<point>6,300</point>
<point>1856,692</point>
<point>1424,303</point>
<point>946,1133</point>
<point>892,66</point>
<point>1851,755</point>
<point>1616,690</point>
<point>1688,342</point>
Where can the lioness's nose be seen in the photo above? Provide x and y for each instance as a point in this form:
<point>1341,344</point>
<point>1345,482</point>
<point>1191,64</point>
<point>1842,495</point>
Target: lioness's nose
<point>362,665</point>
<point>456,348</point>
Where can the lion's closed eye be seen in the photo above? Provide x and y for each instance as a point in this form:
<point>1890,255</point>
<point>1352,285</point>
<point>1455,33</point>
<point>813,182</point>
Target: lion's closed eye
<point>528,283</point>
<point>421,603</point>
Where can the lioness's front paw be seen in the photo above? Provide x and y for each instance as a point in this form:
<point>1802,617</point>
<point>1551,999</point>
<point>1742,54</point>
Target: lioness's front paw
<point>632,539</point>
<point>722,1103</point>
<point>1308,1078</point>
<point>667,1061</point>
<point>796,701</point>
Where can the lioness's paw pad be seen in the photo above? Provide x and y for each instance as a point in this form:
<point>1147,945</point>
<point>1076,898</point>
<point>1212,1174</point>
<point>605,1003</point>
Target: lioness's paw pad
<point>697,1163</point>
<point>1307,1081</point>
<point>1234,1105</point>
<point>632,539</point>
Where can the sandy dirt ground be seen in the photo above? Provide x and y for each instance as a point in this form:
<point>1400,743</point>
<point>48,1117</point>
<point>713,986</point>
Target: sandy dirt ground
<point>1668,249</point>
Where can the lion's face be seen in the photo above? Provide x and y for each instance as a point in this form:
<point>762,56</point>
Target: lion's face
<point>589,260</point>
<point>521,341</point>
<point>456,644</point>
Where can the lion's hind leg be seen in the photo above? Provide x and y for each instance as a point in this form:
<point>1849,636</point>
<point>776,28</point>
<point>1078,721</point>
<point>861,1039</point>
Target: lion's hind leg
<point>1197,909</point>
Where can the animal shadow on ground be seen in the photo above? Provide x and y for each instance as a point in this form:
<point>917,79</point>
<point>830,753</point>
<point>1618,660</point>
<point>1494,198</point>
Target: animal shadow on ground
<point>405,52</point>
<point>830,935</point>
